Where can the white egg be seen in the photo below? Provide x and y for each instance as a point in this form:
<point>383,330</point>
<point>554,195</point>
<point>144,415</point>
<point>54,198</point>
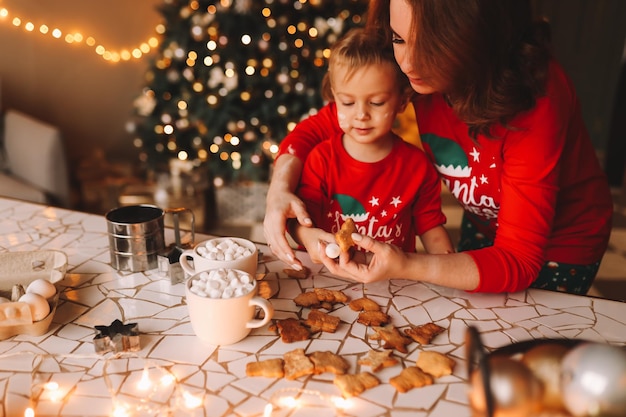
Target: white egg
<point>39,306</point>
<point>593,380</point>
<point>11,312</point>
<point>332,250</point>
<point>42,287</point>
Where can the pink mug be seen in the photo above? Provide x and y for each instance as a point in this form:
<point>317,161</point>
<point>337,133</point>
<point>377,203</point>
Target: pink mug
<point>224,321</point>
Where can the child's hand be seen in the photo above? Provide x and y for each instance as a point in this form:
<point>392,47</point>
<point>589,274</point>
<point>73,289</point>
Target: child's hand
<point>314,241</point>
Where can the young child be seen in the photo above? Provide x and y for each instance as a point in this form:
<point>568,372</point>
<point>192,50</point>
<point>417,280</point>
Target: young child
<point>361,172</point>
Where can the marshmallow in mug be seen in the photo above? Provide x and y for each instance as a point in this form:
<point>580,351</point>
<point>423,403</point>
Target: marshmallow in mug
<point>225,250</point>
<point>222,283</point>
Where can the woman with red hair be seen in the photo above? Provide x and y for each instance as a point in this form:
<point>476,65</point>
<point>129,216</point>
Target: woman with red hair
<point>502,124</point>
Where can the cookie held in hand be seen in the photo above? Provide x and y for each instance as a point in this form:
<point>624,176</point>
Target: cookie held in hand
<point>344,235</point>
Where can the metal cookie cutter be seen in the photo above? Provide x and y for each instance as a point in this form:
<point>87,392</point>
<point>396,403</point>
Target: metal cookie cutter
<point>168,259</point>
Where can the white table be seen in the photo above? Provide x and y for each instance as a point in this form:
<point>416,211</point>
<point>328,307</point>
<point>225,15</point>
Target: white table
<point>93,293</point>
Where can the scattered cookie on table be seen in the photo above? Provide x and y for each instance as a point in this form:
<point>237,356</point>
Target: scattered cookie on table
<point>377,360</point>
<point>409,378</point>
<point>364,304</point>
<point>271,368</point>
<point>392,337</point>
<point>301,274</point>
<point>291,330</point>
<point>344,235</point>
<point>267,289</point>
<point>318,321</point>
<point>329,362</point>
<point>352,385</point>
<point>435,363</point>
<point>330,296</point>
<point>373,318</point>
<point>297,364</point>
<point>307,299</point>
<point>425,333</point>
<point>320,297</point>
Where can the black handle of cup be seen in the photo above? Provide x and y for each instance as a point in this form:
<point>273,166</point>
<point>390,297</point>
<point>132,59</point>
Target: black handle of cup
<point>175,212</point>
<point>477,359</point>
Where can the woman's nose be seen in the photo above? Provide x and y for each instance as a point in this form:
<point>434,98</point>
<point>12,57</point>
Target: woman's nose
<point>403,60</point>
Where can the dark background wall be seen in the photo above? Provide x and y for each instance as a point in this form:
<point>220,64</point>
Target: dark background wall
<point>588,37</point>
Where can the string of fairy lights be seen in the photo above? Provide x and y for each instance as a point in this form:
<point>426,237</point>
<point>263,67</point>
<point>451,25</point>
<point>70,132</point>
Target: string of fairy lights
<point>127,54</point>
<point>139,386</point>
<point>206,101</point>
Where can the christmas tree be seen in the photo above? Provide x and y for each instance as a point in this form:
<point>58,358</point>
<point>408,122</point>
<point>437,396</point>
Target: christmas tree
<point>233,77</point>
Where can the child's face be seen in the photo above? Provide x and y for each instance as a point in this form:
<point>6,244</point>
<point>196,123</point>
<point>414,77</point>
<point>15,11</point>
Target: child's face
<point>367,102</point>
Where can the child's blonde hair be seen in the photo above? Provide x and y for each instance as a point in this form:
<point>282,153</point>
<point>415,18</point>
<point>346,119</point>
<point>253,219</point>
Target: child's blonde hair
<point>359,48</point>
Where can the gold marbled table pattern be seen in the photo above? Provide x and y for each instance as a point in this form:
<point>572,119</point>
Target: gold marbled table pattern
<point>212,379</point>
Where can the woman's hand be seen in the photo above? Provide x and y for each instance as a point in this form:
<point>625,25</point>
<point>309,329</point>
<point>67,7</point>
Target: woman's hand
<point>385,262</point>
<point>281,204</point>
<point>456,270</point>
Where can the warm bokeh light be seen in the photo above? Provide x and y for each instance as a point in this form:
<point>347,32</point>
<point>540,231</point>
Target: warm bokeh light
<point>126,54</point>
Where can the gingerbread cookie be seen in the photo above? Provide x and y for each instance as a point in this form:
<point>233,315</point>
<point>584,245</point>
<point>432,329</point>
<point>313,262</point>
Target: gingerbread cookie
<point>364,304</point>
<point>351,385</point>
<point>297,364</point>
<point>320,297</point>
<point>318,321</point>
<point>271,368</point>
<point>392,337</point>
<point>329,362</point>
<point>425,333</point>
<point>373,318</point>
<point>344,235</point>
<point>435,363</point>
<point>378,359</point>
<point>330,296</point>
<point>409,378</point>
<point>291,330</point>
<point>301,274</point>
<point>307,299</point>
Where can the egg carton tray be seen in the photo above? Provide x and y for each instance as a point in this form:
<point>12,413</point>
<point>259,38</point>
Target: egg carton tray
<point>24,268</point>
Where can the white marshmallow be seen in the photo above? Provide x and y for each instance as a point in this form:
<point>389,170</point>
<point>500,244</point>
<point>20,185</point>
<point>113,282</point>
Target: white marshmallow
<point>222,283</point>
<point>225,250</point>
<point>332,250</point>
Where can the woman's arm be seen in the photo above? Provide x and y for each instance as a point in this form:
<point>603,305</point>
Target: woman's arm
<point>456,270</point>
<point>281,202</point>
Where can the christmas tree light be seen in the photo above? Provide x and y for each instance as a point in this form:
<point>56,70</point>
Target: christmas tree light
<point>233,77</point>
